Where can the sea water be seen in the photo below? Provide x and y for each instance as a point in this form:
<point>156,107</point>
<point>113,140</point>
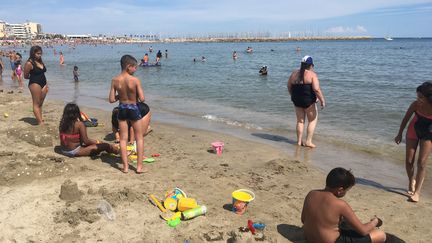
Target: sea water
<point>367,84</point>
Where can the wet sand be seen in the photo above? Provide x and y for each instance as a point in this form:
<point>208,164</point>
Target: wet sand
<point>34,175</point>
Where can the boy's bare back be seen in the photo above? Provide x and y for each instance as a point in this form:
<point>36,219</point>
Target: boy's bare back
<point>321,215</point>
<point>128,88</point>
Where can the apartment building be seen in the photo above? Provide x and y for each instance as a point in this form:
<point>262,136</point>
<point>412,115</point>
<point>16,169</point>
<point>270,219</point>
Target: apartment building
<point>26,30</point>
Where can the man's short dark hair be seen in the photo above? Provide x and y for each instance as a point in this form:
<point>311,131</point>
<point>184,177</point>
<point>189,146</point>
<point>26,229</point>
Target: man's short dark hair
<point>340,177</point>
<point>127,60</point>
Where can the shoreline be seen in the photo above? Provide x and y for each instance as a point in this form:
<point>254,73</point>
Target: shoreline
<point>32,210</point>
<point>375,169</point>
<point>357,157</point>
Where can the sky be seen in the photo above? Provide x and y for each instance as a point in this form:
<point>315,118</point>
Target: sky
<point>176,18</point>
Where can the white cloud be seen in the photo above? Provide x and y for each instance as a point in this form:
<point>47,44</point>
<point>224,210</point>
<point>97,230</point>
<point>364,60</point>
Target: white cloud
<point>361,29</point>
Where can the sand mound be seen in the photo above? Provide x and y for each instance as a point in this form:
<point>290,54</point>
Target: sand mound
<point>124,195</point>
<point>284,166</point>
<point>38,136</point>
<point>75,214</point>
<point>69,191</point>
<point>21,167</point>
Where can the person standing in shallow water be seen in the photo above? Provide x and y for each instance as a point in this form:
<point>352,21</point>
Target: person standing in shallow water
<point>61,61</point>
<point>1,68</point>
<point>76,74</point>
<point>158,56</point>
<point>234,55</point>
<point>303,86</point>
<point>34,71</point>
<point>419,133</point>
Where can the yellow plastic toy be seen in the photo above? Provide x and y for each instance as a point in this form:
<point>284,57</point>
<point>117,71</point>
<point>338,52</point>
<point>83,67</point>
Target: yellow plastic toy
<point>186,203</point>
<point>158,204</point>
<point>175,216</point>
<point>170,203</point>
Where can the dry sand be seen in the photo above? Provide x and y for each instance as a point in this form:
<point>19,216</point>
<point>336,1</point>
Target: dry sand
<point>33,173</point>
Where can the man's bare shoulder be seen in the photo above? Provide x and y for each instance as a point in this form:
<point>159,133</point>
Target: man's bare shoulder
<point>323,195</point>
<point>315,192</point>
<point>117,78</point>
<point>313,195</point>
<point>134,79</point>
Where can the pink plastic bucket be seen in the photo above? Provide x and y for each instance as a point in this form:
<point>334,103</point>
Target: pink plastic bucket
<point>218,147</point>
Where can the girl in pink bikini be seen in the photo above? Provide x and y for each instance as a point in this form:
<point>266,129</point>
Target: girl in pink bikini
<point>73,135</point>
<point>19,71</point>
<point>419,132</point>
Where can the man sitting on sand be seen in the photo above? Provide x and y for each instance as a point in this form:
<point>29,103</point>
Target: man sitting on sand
<point>324,213</point>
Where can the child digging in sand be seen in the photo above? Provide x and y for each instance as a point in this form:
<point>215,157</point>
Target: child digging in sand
<point>127,89</point>
<point>327,218</point>
<point>73,135</point>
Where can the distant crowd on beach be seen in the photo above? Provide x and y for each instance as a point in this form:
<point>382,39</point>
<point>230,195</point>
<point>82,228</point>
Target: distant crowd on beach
<point>325,216</point>
<point>15,61</point>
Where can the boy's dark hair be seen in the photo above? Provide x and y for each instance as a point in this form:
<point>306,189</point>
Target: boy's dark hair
<point>127,60</point>
<point>340,177</point>
<point>75,68</point>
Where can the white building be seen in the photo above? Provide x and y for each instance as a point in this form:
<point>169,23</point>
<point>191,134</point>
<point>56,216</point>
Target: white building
<point>33,28</point>
<point>2,29</point>
<point>26,30</point>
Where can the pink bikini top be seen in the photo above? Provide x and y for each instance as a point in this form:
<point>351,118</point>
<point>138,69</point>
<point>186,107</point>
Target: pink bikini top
<point>420,114</point>
<point>63,136</point>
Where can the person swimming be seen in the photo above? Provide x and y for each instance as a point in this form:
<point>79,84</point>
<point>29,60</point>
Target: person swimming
<point>263,70</point>
<point>234,55</point>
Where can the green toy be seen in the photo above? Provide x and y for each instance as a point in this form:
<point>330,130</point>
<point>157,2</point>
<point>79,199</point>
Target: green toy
<point>174,222</point>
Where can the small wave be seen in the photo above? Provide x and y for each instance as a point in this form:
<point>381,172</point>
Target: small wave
<point>231,122</point>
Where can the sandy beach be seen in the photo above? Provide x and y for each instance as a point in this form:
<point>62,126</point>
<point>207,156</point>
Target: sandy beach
<point>33,173</point>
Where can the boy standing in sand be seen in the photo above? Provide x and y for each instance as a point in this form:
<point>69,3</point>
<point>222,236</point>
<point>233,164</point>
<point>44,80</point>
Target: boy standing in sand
<point>324,212</point>
<point>127,89</point>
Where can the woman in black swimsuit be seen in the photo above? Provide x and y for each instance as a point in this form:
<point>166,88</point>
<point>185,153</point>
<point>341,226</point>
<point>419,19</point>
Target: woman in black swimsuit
<point>303,86</point>
<point>419,133</point>
<point>34,71</point>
